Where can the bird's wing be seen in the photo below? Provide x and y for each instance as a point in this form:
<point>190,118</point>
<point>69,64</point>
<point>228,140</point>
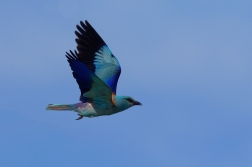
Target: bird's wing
<point>96,55</point>
<point>91,87</point>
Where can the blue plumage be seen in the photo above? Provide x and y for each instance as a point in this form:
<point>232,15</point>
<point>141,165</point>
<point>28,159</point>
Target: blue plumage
<point>81,73</point>
<point>107,67</point>
<point>96,71</point>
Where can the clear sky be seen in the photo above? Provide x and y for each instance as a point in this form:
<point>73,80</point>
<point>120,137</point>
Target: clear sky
<point>188,62</point>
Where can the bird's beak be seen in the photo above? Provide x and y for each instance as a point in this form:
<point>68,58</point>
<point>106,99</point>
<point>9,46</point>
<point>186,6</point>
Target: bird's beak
<point>137,103</point>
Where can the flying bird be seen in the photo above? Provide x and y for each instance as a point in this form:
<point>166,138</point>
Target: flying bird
<point>96,71</point>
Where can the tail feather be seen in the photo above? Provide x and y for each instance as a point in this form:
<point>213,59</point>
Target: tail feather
<point>60,107</point>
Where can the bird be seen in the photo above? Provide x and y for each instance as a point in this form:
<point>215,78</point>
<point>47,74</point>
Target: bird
<point>96,71</point>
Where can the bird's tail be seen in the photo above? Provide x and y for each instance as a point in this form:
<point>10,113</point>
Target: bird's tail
<point>60,107</point>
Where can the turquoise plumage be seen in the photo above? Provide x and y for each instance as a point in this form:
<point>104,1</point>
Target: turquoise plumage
<point>96,71</point>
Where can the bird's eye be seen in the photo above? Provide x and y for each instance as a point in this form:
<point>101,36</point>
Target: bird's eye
<point>130,100</point>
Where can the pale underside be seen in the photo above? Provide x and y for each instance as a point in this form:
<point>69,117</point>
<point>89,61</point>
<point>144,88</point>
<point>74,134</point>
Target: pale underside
<point>89,109</point>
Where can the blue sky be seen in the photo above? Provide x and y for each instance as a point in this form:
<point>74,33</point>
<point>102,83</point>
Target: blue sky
<point>188,62</point>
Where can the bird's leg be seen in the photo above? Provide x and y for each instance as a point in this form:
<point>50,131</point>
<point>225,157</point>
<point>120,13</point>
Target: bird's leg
<point>80,117</point>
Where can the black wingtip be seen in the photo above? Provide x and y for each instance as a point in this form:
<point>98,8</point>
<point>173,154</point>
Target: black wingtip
<point>72,55</point>
<point>81,22</point>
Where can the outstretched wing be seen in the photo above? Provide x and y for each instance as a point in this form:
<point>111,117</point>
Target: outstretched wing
<point>96,55</point>
<point>91,87</point>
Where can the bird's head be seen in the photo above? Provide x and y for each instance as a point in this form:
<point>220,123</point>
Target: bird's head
<point>125,102</point>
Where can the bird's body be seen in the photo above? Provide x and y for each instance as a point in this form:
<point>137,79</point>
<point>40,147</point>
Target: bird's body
<point>96,71</point>
<point>90,109</point>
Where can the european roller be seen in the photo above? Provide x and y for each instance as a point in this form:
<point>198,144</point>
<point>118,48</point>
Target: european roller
<point>96,71</point>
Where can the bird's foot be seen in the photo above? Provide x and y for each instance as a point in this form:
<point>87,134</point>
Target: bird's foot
<point>80,117</point>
